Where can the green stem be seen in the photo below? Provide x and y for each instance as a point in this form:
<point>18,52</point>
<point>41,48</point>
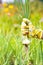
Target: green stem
<point>41,52</point>
<point>27,8</point>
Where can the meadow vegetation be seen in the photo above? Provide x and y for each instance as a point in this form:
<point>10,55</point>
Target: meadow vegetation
<point>12,51</point>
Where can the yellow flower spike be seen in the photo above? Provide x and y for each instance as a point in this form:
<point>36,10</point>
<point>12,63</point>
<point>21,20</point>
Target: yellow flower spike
<point>33,33</point>
<point>39,34</point>
<point>11,6</point>
<point>6,10</point>
<point>36,31</point>
<point>31,27</point>
<point>5,5</point>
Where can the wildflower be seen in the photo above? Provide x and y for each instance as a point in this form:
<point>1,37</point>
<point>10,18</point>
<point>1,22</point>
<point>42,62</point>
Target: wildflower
<point>11,6</point>
<point>5,5</point>
<point>39,34</point>
<point>25,31</point>
<point>34,32</point>
<point>6,10</point>
<point>31,27</point>
<point>26,20</point>
<point>23,24</point>
<point>24,28</point>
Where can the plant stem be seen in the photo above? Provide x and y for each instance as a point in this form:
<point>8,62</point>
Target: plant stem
<point>27,8</point>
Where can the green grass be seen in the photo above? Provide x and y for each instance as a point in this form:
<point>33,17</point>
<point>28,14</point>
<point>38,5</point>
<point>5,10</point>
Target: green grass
<point>11,48</point>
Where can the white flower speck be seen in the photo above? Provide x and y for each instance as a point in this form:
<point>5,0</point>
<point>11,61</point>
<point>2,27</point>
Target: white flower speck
<point>23,24</point>
<point>27,20</point>
<point>25,40</point>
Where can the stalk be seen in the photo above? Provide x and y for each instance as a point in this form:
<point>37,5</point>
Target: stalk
<point>27,9</point>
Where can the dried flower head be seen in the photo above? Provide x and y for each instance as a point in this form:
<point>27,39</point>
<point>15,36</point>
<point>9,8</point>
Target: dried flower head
<point>26,21</point>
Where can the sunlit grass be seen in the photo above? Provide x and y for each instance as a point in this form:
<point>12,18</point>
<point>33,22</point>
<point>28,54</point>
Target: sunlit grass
<point>11,48</point>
